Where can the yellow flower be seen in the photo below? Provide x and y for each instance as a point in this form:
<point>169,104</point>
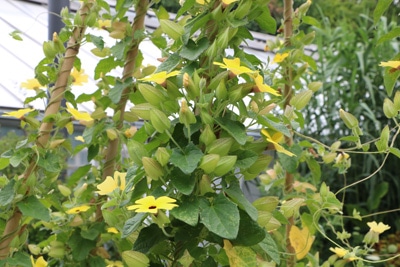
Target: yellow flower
<point>378,227</point>
<point>114,263</point>
<point>80,138</point>
<point>112,230</point>
<point>227,2</point>
<point>341,252</point>
<point>104,24</point>
<point>159,77</point>
<point>40,262</point>
<point>19,113</point>
<point>392,64</point>
<point>80,116</point>
<point>78,77</point>
<point>275,139</point>
<point>280,57</point>
<point>263,87</point>
<point>130,132</point>
<point>112,183</point>
<point>234,66</point>
<point>31,84</point>
<point>152,205</point>
<point>78,209</point>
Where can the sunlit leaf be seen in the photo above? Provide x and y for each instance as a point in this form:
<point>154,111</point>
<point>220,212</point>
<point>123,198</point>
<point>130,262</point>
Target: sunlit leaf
<point>300,240</point>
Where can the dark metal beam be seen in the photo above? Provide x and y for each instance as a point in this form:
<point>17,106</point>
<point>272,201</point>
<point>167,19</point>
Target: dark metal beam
<point>55,22</point>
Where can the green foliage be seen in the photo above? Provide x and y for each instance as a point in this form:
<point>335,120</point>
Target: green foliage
<point>176,200</point>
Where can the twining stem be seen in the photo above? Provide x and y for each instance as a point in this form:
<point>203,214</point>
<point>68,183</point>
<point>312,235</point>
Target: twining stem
<point>287,94</point>
<point>129,67</point>
<point>57,94</point>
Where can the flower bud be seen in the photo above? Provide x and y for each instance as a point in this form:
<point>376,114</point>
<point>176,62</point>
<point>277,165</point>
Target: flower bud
<point>206,118</point>
<point>58,45</point>
<point>64,190</point>
<point>130,132</point>
<point>221,91</point>
<point>243,9</point>
<point>112,134</point>
<point>159,120</point>
<point>152,95</point>
<point>186,116</point>
<point>49,50</point>
<point>57,249</point>
<point>80,190</point>
<point>136,151</point>
<point>207,136</point>
<point>205,185</point>
<point>349,120</point>
<point>220,146</point>
<point>225,165</point>
<point>152,168</point>
<point>209,162</point>
<point>328,158</point>
<point>389,109</point>
<point>162,156</point>
<point>300,100</point>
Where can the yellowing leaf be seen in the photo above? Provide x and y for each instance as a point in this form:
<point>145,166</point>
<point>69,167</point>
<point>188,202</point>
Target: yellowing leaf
<point>301,241</point>
<point>240,256</point>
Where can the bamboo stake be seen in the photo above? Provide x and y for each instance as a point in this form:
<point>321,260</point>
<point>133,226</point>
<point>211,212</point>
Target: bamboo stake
<point>57,94</point>
<point>287,93</point>
<point>129,67</point>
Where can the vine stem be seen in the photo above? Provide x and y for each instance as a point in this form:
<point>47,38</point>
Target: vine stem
<point>287,94</point>
<point>12,228</point>
<point>129,67</point>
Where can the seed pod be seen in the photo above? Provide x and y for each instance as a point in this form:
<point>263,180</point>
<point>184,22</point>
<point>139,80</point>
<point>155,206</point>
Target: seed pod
<point>349,120</point>
<point>206,118</point>
<point>243,9</point>
<point>112,134</point>
<point>205,185</point>
<point>207,136</point>
<point>209,162</point>
<point>221,91</point>
<point>389,109</point>
<point>314,86</point>
<point>220,146</point>
<point>137,151</point>
<point>396,100</point>
<point>64,190</point>
<point>328,158</point>
<point>300,100</point>
<point>142,110</point>
<point>152,168</point>
<point>49,50</point>
<point>225,165</point>
<point>162,156</point>
<point>135,258</point>
<point>152,95</point>
<point>159,120</point>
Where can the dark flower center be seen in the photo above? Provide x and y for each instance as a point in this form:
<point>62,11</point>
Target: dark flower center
<point>152,207</point>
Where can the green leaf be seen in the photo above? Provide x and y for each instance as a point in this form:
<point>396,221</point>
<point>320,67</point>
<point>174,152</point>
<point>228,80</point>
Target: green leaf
<point>395,151</point>
<point>184,183</point>
<point>4,162</point>
<point>380,8</point>
<point>20,259</point>
<point>16,35</point>
<point>187,5</point>
<point>269,246</point>
<point>148,237</point>
<point>221,217</point>
<point>280,127</point>
<point>394,33</point>
<point>32,207</point>
<point>266,21</point>
<point>80,246</point>
<point>236,195</point>
<point>7,193</point>
<point>170,64</point>
<point>291,207</point>
<point>234,128</point>
<point>187,159</point>
<point>240,256</point>
<point>105,65</point>
<point>50,162</point>
<point>250,233</point>
<point>96,40</point>
<point>311,21</point>
<point>193,50</point>
<point>78,174</point>
<point>132,224</point>
<point>93,232</point>
<point>315,169</point>
<point>380,190</point>
<point>116,91</point>
<point>245,158</point>
<point>187,211</point>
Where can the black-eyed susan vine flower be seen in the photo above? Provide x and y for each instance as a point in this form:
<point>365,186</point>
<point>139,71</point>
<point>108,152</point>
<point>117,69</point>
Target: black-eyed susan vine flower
<point>19,114</point>
<point>78,115</point>
<point>279,57</point>
<point>112,230</point>
<point>78,209</point>
<point>394,64</point>
<point>275,139</point>
<point>78,77</point>
<point>234,66</point>
<point>258,79</point>
<point>31,84</point>
<point>152,205</point>
<point>375,229</point>
<point>114,263</point>
<point>40,262</point>
<point>112,183</point>
<point>341,252</point>
<point>159,77</point>
<point>104,24</point>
